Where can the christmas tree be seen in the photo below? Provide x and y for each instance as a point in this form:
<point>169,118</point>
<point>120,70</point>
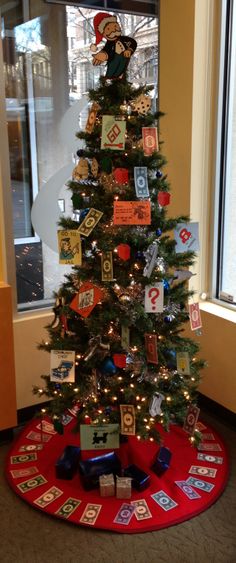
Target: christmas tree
<point>119,315</point>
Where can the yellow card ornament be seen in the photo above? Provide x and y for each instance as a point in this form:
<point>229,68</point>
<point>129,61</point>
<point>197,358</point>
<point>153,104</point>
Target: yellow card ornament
<point>69,247</point>
<point>92,117</point>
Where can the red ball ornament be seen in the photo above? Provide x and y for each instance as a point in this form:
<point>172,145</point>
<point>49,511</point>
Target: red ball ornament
<point>124,251</point>
<point>87,419</point>
<point>119,360</point>
<point>163,198</point>
<point>121,175</point>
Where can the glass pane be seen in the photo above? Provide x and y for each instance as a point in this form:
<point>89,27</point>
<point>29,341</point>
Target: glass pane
<point>228,283</point>
<point>48,72</point>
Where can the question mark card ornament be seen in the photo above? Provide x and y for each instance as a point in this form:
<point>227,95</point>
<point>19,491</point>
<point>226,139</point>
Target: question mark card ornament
<point>154,298</point>
<point>187,237</point>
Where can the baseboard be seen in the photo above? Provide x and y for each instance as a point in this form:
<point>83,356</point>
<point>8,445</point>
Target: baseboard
<point>27,413</point>
<point>220,412</point>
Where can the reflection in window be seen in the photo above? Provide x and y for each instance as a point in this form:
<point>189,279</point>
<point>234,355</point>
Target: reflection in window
<point>48,72</point>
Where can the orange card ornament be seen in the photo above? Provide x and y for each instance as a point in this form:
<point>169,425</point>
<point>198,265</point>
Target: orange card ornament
<point>86,299</point>
<point>132,213</point>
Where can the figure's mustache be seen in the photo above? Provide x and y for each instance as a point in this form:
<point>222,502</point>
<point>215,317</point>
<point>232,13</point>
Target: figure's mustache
<point>114,34</point>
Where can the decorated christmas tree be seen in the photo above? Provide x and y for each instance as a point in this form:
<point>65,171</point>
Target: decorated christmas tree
<point>118,353</point>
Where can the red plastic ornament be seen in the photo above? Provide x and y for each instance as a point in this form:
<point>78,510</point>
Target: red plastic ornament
<point>119,360</point>
<point>163,198</point>
<point>124,251</point>
<point>121,175</point>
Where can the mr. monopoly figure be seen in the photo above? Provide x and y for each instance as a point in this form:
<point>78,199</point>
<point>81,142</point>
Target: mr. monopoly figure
<point>118,48</point>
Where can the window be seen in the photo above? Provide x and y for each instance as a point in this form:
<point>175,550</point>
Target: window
<point>48,71</point>
<point>226,173</point>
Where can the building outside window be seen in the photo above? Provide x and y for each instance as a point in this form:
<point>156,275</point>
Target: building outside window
<point>48,72</point>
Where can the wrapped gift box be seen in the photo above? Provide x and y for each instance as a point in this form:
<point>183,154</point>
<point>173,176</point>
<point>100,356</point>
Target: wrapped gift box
<point>162,461</point>
<point>91,469</point>
<point>67,464</point>
<point>140,479</point>
<point>123,487</point>
<point>107,485</point>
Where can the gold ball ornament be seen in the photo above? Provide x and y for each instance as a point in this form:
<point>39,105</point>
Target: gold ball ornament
<point>81,170</point>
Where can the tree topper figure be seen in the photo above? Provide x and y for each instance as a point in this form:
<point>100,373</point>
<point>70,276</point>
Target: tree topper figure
<point>118,48</point>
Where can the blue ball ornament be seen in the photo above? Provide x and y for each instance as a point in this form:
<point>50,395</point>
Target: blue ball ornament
<point>107,367</point>
<point>83,213</point>
<point>80,152</point>
<point>158,232</point>
<point>159,174</point>
<point>170,356</point>
<point>166,287</point>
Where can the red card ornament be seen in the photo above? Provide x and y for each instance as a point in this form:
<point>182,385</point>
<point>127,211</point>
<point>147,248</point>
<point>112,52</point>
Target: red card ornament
<point>86,299</point>
<point>119,360</point>
<point>121,175</point>
<point>163,198</point>
<point>124,251</point>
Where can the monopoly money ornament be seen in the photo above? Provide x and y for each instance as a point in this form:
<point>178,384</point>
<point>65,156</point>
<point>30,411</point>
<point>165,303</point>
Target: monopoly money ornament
<point>118,48</point>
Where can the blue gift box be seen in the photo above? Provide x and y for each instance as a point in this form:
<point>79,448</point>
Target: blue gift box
<point>162,461</point>
<point>140,479</point>
<point>91,469</point>
<point>67,464</point>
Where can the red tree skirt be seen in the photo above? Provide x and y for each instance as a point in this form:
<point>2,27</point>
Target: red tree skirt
<point>137,452</point>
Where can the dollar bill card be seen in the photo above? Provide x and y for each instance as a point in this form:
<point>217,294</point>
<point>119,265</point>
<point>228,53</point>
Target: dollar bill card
<point>32,483</point>
<point>210,458</point>
<point>38,436</point>
<point>46,426</point>
<point>187,490</point>
<point>186,237</point>
<point>30,447</point>
<point>141,182</point>
<point>91,120</point>
<point>151,348</point>
<point>211,447</point>
<point>107,266</point>
<point>164,501</point>
<point>195,316</point>
<point>208,436</point>
<point>69,247</point>
<point>141,509</point>
<point>154,298</point>
<point>191,419</point>
<point>24,458</point>
<point>203,471</point>
<point>124,514</point>
<point>49,496</point>
<point>26,472</point>
<point>150,140</point>
<point>200,426</point>
<point>68,507</point>
<point>127,414</point>
<point>90,221</point>
<point>90,514</point>
<point>199,484</point>
<point>113,133</point>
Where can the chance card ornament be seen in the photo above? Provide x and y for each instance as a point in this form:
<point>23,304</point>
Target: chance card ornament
<point>86,299</point>
<point>132,213</point>
<point>118,48</point>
